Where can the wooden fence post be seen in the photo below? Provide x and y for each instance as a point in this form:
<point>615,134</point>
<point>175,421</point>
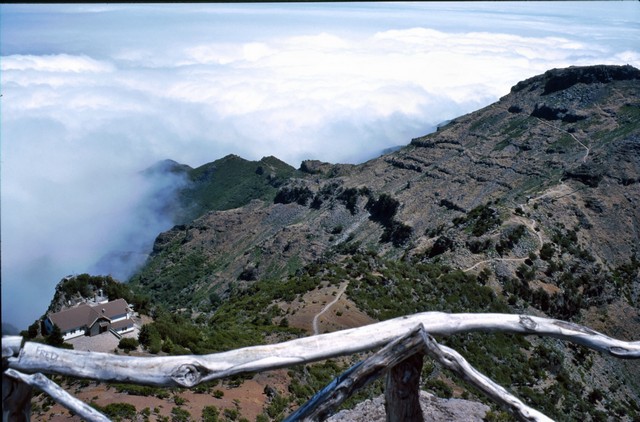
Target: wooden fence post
<point>402,391</point>
<point>16,395</point>
<point>16,400</point>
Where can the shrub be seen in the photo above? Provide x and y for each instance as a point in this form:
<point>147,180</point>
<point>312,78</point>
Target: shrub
<point>497,416</point>
<point>178,400</point>
<point>441,245</point>
<point>477,246</point>
<point>141,390</point>
<point>55,337</point>
<point>349,197</point>
<point>249,274</point>
<point>525,272</point>
<point>118,411</point>
<point>450,205</point>
<point>128,344</point>
<point>32,331</point>
<point>316,203</point>
<point>484,218</point>
<point>547,251</point>
<point>397,233</point>
<point>277,407</point>
<point>210,414</point>
<point>180,415</point>
<point>439,388</point>
<point>300,195</point>
<point>383,209</point>
<point>231,414</point>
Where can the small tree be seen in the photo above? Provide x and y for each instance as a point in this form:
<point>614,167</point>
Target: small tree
<point>55,337</point>
<point>32,331</point>
<point>547,251</point>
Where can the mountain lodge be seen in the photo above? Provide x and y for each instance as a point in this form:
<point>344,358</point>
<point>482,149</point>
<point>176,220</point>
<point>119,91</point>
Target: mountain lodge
<point>91,320</point>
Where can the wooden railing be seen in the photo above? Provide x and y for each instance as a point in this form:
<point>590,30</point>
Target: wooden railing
<point>404,341</point>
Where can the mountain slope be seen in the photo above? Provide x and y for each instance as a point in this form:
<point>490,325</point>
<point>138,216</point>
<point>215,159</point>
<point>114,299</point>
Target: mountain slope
<point>574,174</point>
<point>531,204</point>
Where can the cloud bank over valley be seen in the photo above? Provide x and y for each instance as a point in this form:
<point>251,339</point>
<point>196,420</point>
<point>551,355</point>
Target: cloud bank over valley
<point>94,94</point>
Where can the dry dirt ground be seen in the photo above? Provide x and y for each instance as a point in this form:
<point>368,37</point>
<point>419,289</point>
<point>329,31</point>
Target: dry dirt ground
<point>249,398</point>
<point>341,315</point>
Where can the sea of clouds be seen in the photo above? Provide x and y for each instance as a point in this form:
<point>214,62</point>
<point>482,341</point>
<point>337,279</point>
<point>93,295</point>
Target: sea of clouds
<point>93,94</point>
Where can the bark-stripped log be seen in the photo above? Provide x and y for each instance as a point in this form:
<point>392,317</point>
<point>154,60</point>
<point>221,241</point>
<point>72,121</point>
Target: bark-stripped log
<point>187,371</point>
<point>453,361</point>
<point>403,360</point>
<point>11,346</point>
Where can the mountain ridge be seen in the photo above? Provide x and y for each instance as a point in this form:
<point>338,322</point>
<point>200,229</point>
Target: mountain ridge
<point>508,166</point>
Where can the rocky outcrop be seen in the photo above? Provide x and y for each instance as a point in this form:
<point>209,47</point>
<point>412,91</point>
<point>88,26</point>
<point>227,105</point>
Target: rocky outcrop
<point>559,79</point>
<point>326,169</point>
<point>555,80</point>
<point>588,174</point>
<point>433,409</point>
<point>543,111</point>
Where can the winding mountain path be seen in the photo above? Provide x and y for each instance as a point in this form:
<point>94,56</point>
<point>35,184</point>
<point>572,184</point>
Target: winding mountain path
<point>486,261</point>
<point>531,224</point>
<point>328,306</point>
<point>584,159</point>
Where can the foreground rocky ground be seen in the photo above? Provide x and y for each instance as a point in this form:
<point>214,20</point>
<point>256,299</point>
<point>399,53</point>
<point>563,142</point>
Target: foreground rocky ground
<point>433,408</point>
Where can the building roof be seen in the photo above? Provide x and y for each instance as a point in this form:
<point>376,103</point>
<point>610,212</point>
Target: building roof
<point>85,315</point>
<point>113,308</point>
<point>124,323</point>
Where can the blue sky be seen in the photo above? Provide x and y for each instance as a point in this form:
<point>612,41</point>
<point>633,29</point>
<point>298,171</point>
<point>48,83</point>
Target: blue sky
<point>91,94</point>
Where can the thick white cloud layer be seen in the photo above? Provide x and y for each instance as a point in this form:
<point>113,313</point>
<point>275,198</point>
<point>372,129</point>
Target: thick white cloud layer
<point>94,94</point>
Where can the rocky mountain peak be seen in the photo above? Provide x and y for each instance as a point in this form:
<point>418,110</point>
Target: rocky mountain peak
<point>559,79</point>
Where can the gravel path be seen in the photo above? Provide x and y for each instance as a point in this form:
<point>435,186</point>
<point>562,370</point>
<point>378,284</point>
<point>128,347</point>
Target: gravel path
<point>316,318</point>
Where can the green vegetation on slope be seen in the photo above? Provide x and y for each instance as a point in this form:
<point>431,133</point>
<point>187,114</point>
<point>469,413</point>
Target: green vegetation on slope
<point>231,182</point>
<point>174,286</point>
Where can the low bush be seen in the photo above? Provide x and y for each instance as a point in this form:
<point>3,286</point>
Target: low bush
<point>179,414</point>
<point>128,344</point>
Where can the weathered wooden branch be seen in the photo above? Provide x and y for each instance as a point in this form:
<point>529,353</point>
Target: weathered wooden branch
<point>453,361</point>
<point>59,395</point>
<point>11,346</point>
<point>324,403</point>
<point>402,361</point>
<point>187,371</point>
